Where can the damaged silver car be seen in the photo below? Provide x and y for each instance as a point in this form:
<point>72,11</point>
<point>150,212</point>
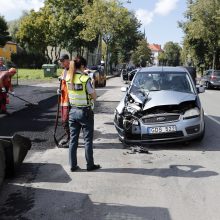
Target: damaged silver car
<point>161,105</point>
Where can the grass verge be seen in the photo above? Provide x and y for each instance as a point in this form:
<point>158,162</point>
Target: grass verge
<point>34,74</point>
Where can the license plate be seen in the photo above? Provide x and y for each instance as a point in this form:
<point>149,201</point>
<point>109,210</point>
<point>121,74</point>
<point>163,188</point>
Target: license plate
<point>164,129</point>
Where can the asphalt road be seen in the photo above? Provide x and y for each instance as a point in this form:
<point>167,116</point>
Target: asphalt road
<point>175,182</point>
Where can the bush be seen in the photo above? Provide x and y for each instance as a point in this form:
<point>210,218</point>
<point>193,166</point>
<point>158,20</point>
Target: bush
<point>28,60</point>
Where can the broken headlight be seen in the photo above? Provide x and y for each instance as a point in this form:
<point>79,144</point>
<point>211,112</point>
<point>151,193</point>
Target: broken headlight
<point>191,113</point>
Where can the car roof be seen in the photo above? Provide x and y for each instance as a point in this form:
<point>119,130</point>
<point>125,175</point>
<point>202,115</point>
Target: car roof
<point>163,69</point>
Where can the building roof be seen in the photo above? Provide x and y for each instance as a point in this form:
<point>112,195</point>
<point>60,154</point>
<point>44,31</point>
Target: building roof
<point>155,47</point>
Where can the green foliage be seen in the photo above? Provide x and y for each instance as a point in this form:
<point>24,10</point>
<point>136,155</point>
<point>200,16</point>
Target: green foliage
<point>28,59</point>
<point>162,58</point>
<point>4,34</point>
<point>79,26</point>
<point>126,40</point>
<point>171,54</point>
<point>202,29</point>
<point>142,55</point>
<point>117,27</point>
<point>13,26</point>
<point>34,74</point>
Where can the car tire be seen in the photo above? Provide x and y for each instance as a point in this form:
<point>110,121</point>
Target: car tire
<point>207,85</point>
<point>2,164</point>
<point>96,84</point>
<point>104,83</point>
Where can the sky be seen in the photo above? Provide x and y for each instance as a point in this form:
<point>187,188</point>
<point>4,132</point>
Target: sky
<point>158,17</point>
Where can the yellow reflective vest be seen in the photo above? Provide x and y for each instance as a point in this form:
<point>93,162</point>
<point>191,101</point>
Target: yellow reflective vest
<point>78,95</point>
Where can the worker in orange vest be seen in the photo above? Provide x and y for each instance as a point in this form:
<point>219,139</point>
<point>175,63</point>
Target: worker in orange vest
<point>5,87</point>
<point>64,100</point>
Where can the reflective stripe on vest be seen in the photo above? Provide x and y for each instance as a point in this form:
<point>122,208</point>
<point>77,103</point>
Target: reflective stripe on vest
<point>78,95</point>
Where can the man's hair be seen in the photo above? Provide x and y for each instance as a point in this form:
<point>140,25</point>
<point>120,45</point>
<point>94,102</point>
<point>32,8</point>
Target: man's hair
<point>80,61</point>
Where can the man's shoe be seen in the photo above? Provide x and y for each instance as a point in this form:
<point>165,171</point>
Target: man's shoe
<point>73,169</point>
<point>64,141</point>
<point>63,145</point>
<point>94,167</point>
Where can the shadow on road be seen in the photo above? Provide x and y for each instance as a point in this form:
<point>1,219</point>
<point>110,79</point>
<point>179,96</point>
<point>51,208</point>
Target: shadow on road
<point>41,172</point>
<point>186,171</point>
<point>33,203</point>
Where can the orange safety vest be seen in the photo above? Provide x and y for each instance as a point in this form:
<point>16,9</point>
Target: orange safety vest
<point>64,99</point>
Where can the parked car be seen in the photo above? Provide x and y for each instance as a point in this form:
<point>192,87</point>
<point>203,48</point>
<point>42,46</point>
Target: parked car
<point>211,79</point>
<point>98,76</point>
<point>131,74</point>
<point>124,75</point>
<point>161,105</point>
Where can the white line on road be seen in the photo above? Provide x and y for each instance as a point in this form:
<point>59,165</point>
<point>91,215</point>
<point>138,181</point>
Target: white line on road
<point>212,118</point>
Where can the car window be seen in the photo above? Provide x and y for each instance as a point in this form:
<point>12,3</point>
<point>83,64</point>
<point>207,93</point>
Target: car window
<point>209,73</point>
<point>217,73</point>
<point>163,81</point>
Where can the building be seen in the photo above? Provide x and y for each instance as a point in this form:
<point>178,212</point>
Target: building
<point>155,49</point>
<point>9,48</point>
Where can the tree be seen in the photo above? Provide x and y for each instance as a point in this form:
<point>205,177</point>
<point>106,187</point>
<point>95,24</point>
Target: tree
<point>202,29</point>
<point>162,58</point>
<point>4,34</point>
<point>13,26</point>
<point>106,20</point>
<point>114,25</point>
<point>142,55</point>
<point>127,39</point>
<point>172,53</point>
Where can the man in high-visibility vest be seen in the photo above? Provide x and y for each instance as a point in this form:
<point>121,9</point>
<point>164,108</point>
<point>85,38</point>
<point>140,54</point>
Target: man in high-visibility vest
<point>81,116</point>
<point>64,99</point>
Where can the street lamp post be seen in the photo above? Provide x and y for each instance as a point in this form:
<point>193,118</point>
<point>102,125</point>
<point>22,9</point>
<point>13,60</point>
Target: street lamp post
<point>213,62</point>
<point>106,38</point>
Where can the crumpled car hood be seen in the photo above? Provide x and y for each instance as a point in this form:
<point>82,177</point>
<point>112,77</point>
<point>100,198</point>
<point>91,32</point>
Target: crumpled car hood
<point>159,98</point>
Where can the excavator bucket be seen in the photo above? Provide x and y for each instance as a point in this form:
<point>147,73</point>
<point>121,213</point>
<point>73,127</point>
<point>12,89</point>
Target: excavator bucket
<point>12,153</point>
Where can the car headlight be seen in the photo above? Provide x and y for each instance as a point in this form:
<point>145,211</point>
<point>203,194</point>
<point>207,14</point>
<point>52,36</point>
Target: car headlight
<point>191,113</point>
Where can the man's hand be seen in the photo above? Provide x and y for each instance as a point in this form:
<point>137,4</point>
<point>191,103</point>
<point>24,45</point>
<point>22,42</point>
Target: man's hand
<point>59,91</point>
<point>3,89</point>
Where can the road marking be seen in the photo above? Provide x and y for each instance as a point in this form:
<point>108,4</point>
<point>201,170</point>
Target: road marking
<point>212,118</point>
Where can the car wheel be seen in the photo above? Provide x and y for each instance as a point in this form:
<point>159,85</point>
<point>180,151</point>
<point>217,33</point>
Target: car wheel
<point>2,164</point>
<point>104,83</point>
<point>207,85</point>
<point>96,84</point>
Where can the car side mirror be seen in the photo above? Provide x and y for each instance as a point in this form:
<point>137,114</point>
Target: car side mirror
<point>200,89</point>
<point>124,89</point>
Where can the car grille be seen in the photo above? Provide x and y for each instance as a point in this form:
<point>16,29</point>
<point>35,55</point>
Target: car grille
<point>160,118</point>
<point>177,134</point>
<point>163,136</point>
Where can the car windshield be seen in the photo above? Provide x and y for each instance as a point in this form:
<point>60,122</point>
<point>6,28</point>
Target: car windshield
<point>175,81</point>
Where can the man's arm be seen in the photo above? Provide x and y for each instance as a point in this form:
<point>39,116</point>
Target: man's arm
<point>90,89</point>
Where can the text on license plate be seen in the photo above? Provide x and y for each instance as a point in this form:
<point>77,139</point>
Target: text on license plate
<point>164,129</point>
